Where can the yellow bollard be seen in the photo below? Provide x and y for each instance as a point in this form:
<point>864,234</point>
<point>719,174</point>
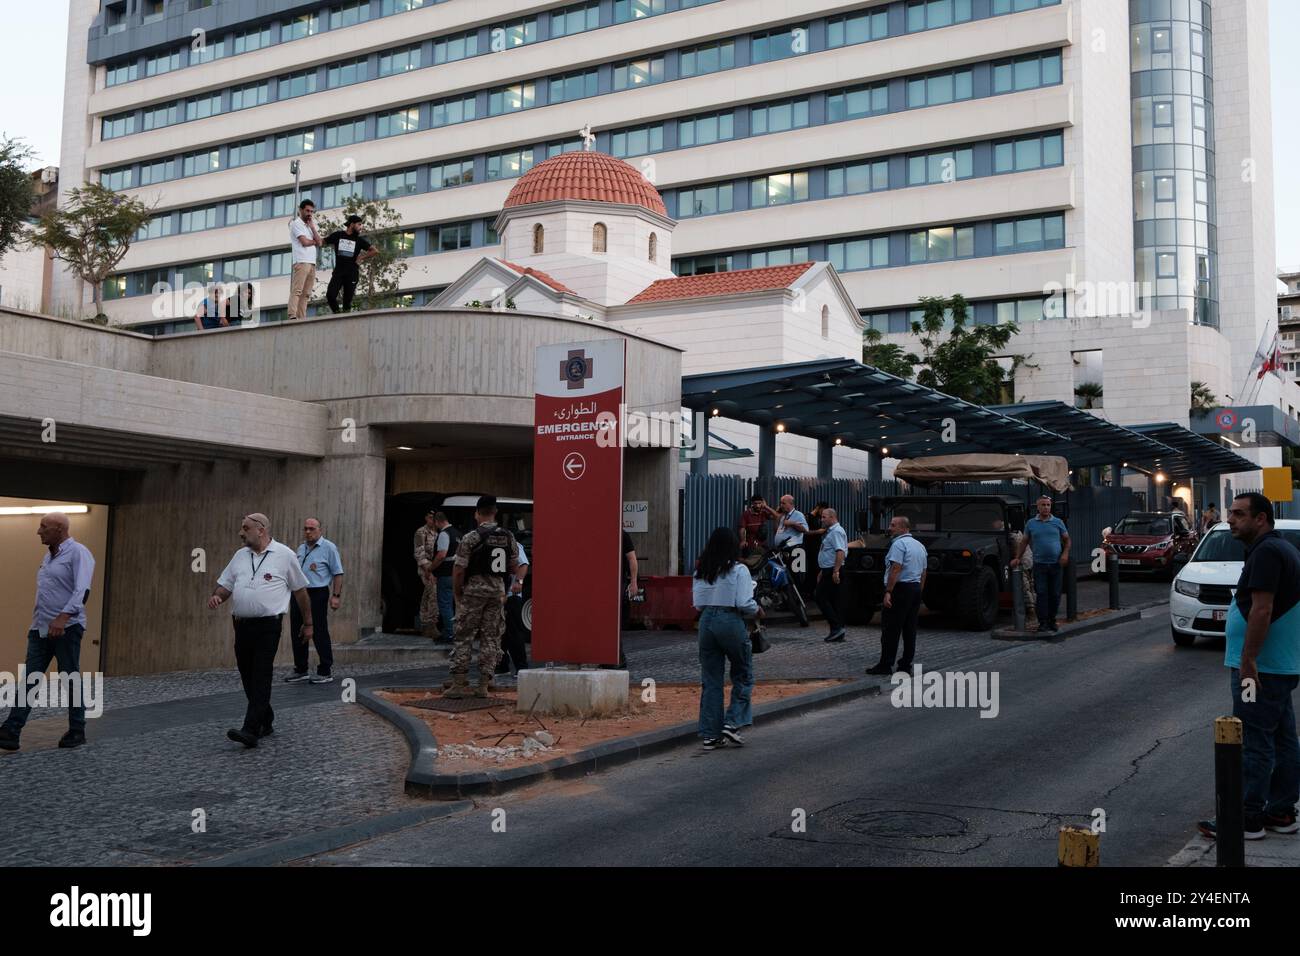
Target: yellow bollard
<point>1078,846</point>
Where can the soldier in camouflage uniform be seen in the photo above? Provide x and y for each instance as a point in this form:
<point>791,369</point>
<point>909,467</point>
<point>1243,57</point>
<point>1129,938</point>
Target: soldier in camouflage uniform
<point>486,557</point>
<point>426,549</point>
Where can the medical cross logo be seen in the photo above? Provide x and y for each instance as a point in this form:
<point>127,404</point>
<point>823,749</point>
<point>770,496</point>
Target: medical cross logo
<point>576,369</point>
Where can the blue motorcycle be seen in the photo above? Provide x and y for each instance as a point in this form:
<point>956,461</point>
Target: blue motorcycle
<point>774,587</point>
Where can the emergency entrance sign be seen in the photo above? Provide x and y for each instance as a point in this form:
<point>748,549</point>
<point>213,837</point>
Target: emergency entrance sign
<point>577,502</point>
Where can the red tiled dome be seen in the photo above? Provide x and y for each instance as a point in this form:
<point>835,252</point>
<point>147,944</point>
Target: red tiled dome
<point>594,177</point>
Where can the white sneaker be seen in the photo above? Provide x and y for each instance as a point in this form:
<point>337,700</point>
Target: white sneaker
<point>321,679</point>
<point>733,735</point>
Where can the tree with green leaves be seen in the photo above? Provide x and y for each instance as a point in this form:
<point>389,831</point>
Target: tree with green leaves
<point>886,356</point>
<point>1203,399</point>
<point>1089,394</point>
<point>92,233</point>
<point>961,363</point>
<point>381,275</point>
<point>16,192</point>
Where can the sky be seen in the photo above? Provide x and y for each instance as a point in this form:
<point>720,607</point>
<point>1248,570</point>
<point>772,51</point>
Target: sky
<point>31,74</point>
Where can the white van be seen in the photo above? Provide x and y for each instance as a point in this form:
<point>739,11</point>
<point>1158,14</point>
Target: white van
<point>1203,589</point>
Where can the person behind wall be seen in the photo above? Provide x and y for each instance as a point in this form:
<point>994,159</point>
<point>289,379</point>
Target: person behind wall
<point>350,250</point>
<point>723,592</point>
<point>305,241</point>
<point>211,311</point>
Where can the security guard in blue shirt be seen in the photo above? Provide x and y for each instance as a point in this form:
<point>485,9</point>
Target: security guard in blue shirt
<point>905,565</point>
<point>319,559</point>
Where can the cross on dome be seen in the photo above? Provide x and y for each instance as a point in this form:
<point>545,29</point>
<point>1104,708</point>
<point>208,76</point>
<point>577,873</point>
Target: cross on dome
<point>588,137</point>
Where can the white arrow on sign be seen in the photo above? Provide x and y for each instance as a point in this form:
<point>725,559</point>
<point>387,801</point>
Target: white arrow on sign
<point>574,466</point>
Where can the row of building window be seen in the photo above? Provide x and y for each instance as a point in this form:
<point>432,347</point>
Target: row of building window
<point>937,88</point>
<point>898,248</point>
<point>1022,311</point>
<point>822,107</point>
<point>1015,155</point>
<point>447,48</point>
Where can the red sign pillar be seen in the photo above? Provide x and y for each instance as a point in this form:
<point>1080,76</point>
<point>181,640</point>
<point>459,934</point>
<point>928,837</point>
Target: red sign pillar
<point>577,502</point>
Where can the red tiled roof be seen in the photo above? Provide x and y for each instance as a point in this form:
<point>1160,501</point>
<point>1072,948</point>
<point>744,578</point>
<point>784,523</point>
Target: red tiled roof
<point>595,177</point>
<point>555,284</point>
<point>721,283</point>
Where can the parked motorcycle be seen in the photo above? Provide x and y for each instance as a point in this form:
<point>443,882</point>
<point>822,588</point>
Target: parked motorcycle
<point>774,587</point>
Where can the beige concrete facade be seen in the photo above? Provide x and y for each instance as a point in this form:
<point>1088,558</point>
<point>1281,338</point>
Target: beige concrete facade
<point>302,419</point>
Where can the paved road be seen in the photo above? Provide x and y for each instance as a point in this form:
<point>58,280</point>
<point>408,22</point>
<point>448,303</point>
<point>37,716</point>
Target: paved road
<point>1117,719</point>
<point>159,753</point>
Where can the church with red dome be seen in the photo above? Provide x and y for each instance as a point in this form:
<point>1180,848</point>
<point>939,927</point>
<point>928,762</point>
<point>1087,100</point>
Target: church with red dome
<point>587,235</point>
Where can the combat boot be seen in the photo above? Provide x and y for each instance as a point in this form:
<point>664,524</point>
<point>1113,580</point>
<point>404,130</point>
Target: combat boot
<point>459,688</point>
<point>484,685</point>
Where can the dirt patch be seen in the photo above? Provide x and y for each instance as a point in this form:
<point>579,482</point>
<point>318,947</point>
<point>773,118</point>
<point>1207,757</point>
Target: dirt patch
<point>501,737</point>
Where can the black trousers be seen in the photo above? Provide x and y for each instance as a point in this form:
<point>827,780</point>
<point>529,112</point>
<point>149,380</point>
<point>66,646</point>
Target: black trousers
<point>900,619</point>
<point>512,642</point>
<point>828,599</point>
<point>349,287</point>
<point>320,609</point>
<point>256,639</point>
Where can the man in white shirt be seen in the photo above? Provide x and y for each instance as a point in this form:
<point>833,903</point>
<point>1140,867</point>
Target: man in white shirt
<point>305,241</point>
<point>259,581</point>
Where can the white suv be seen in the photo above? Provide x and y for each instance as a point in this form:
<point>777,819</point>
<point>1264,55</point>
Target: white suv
<point>1205,586</point>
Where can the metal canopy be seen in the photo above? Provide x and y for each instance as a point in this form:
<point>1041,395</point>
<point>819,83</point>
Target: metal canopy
<point>1093,441</point>
<point>864,408</point>
<point>1196,455</point>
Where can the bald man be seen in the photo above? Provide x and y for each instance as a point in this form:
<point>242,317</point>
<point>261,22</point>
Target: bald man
<point>58,622</point>
<point>260,578</point>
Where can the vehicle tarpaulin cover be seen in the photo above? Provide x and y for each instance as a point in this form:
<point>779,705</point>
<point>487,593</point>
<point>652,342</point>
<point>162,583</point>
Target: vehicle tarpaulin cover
<point>1048,469</point>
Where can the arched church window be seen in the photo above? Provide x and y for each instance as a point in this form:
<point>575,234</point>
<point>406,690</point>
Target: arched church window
<point>539,239</point>
<point>654,247</point>
<point>598,234</point>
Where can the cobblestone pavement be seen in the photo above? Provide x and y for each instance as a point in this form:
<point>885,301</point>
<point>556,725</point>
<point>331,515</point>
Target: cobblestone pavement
<point>181,685</point>
<point>159,752</point>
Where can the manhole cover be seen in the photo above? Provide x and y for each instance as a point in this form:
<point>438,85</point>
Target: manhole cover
<point>454,705</point>
<point>905,824</point>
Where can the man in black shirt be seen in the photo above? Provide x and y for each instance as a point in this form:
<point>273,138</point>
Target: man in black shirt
<point>350,250</point>
<point>1262,652</point>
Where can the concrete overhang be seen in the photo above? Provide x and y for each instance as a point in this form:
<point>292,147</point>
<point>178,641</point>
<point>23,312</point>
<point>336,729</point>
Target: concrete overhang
<point>58,408</point>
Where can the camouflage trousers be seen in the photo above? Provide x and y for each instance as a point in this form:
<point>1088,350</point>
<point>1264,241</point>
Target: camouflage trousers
<point>429,604</point>
<point>480,615</point>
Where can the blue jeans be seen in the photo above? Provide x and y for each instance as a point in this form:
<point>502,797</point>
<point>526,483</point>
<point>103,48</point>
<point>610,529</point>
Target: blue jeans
<point>446,607</point>
<point>723,638</point>
<point>1047,587</point>
<point>1270,752</point>
<point>40,651</point>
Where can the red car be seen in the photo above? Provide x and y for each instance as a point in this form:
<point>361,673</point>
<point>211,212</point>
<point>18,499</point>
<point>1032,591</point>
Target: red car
<point>1149,542</point>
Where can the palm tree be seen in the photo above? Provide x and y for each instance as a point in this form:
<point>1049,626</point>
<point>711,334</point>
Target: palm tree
<point>1203,399</point>
<point>1088,395</point>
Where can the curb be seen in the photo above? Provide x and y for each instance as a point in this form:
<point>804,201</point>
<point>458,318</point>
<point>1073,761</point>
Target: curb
<point>423,780</point>
<point>326,841</point>
<point>1072,630</point>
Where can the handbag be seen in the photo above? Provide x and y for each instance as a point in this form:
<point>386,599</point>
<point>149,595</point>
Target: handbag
<point>758,639</point>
